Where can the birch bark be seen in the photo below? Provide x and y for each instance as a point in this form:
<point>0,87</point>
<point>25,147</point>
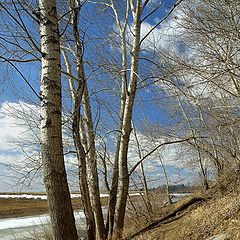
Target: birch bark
<point>55,178</point>
<point>114,187</point>
<point>79,142</point>
<point>92,164</point>
<point>126,126</point>
<point>84,138</point>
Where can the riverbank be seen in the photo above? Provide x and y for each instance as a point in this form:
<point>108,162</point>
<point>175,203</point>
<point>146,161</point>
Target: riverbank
<point>17,207</point>
<point>208,218</point>
<point>22,215</point>
<point>25,204</point>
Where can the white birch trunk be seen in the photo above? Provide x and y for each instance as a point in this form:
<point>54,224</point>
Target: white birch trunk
<point>92,164</point>
<point>84,137</point>
<point>114,187</point>
<point>55,179</point>
<point>80,141</point>
<point>126,127</point>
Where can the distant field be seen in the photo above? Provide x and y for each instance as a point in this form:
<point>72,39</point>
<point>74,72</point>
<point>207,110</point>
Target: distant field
<point>27,207</point>
<point>19,207</point>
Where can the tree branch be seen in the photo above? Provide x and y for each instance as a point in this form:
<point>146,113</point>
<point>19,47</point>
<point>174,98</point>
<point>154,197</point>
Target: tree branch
<point>154,149</point>
<point>168,14</point>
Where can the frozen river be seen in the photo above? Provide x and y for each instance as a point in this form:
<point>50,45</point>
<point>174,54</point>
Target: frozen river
<point>20,228</point>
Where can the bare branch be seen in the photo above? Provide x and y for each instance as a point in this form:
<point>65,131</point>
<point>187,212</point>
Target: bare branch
<point>157,147</point>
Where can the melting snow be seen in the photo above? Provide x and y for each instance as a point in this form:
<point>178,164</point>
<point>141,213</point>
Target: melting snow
<point>44,197</point>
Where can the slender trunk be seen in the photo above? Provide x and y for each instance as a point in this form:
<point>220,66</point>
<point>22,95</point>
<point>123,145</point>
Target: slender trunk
<point>88,139</point>
<point>145,186</point>
<point>126,128</point>
<point>203,173</point>
<point>92,164</point>
<point>85,196</point>
<point>113,193</point>
<point>114,187</point>
<point>70,74</point>
<point>77,121</point>
<point>166,178</point>
<point>76,126</point>
<point>55,179</point>
<point>79,138</point>
<point>146,192</point>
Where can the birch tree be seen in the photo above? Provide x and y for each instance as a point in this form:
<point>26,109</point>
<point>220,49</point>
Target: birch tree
<point>84,139</point>
<point>77,95</point>
<point>128,94</point>
<point>83,131</point>
<point>55,179</point>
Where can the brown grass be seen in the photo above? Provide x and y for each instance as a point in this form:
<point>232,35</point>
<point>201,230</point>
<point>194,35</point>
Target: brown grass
<point>27,207</point>
<point>217,216</point>
<point>138,214</point>
<point>21,207</point>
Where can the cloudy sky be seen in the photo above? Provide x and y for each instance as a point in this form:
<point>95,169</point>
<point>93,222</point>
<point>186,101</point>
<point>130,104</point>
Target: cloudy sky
<point>19,123</point>
<point>19,153</point>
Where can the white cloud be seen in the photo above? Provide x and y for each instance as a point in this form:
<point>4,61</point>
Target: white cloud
<point>166,36</point>
<point>13,129</point>
<point>20,144</point>
<point>19,154</point>
<point>17,122</point>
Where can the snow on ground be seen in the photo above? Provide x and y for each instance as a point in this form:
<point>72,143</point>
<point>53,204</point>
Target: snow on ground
<point>44,197</point>
<point>20,222</point>
<point>180,195</point>
<point>21,227</point>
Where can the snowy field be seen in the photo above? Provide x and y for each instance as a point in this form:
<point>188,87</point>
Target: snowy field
<point>44,197</point>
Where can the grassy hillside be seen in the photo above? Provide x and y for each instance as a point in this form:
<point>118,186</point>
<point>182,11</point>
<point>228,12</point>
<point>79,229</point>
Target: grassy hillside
<point>217,215</point>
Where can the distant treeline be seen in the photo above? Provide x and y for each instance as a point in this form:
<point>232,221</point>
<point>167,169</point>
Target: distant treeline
<point>179,188</point>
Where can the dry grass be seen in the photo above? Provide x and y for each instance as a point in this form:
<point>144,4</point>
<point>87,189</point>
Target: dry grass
<point>21,207</point>
<point>27,207</point>
<point>220,215</point>
<point>139,214</point>
<point>217,216</point>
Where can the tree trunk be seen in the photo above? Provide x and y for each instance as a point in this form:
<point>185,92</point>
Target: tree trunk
<point>92,164</point>
<point>145,185</point>
<point>126,127</point>
<point>80,142</point>
<point>77,121</point>
<point>113,193</point>
<point>55,179</point>
<point>115,177</point>
<point>203,173</point>
<point>83,176</point>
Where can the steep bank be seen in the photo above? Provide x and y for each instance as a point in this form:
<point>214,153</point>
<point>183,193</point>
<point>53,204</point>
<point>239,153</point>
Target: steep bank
<point>219,215</point>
